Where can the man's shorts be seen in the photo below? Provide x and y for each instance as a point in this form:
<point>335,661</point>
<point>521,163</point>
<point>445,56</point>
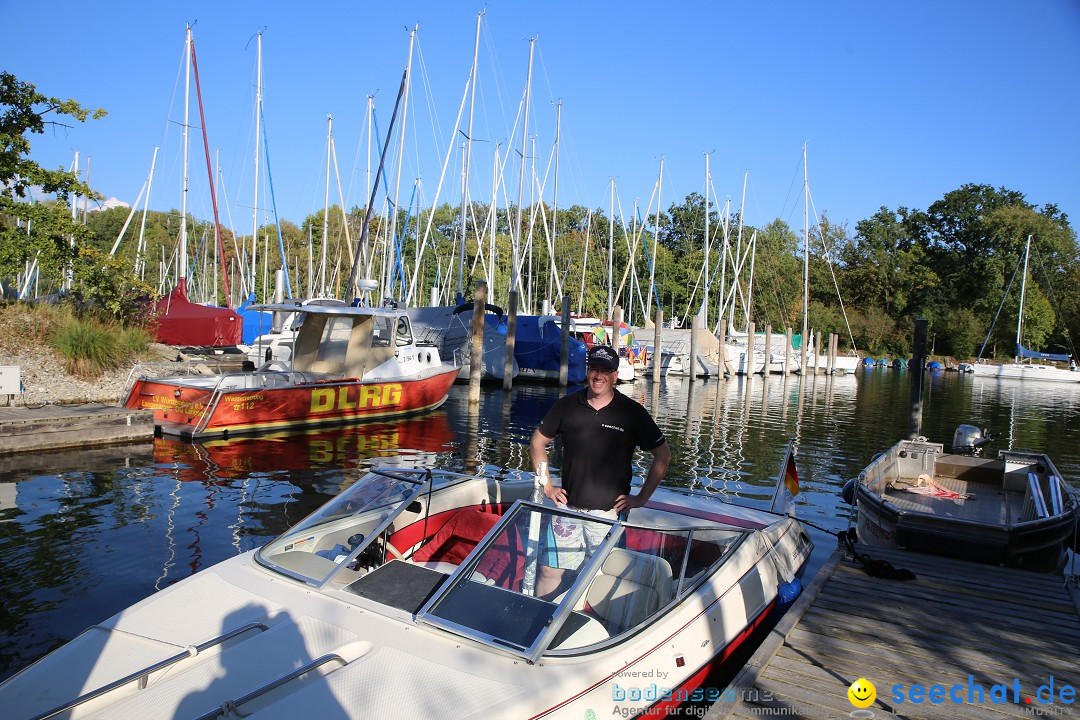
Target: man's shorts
<point>567,542</point>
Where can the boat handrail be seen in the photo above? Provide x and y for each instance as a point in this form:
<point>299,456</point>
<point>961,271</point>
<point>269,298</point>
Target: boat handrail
<point>230,705</point>
<point>141,675</point>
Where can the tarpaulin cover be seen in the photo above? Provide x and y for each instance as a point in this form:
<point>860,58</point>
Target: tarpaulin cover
<point>180,322</point>
<point>538,344</point>
<point>256,322</point>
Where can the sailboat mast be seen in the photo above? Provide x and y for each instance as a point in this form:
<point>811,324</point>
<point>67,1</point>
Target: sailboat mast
<point>611,252</point>
<point>391,251</point>
<point>806,262</point>
<point>705,299</point>
<point>555,196</point>
<point>326,209</point>
<point>258,115</point>
<point>1023,291</point>
<point>656,238</point>
<point>182,265</point>
<point>516,244</point>
<point>140,259</point>
<point>468,157</point>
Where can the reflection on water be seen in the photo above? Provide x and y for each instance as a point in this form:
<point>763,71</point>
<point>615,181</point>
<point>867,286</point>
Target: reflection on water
<point>85,534</point>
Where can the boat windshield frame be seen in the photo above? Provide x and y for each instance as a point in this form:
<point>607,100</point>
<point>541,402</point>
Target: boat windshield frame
<point>538,645</point>
<point>417,482</point>
<point>464,573</point>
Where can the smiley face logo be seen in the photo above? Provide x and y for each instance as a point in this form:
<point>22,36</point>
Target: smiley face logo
<point>862,693</point>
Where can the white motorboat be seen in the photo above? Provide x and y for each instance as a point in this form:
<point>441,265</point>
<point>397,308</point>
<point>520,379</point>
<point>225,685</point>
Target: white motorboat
<point>1015,510</point>
<point>411,595</point>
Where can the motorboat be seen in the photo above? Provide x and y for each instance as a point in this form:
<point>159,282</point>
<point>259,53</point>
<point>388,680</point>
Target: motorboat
<point>348,364</point>
<point>1015,510</point>
<point>413,594</point>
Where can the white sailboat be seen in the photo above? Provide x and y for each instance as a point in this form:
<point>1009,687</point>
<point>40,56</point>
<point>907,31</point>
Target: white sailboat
<point>1017,369</point>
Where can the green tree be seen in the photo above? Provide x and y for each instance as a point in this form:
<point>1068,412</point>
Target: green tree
<point>31,228</point>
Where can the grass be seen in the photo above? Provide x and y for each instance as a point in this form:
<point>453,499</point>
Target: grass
<point>87,346</point>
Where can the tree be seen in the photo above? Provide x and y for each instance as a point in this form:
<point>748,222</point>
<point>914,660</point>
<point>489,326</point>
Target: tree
<point>31,227</point>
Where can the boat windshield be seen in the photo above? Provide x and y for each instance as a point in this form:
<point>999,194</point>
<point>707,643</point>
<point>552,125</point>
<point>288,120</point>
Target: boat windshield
<point>342,529</point>
<point>560,580</point>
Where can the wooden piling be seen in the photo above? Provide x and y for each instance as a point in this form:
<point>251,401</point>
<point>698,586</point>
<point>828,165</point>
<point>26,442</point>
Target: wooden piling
<point>658,355</point>
<point>476,359</point>
<point>511,334</point>
<point>694,322</point>
<point>748,365</point>
<point>918,364</point>
<point>564,346</point>
<point>787,351</point>
<point>768,350</point>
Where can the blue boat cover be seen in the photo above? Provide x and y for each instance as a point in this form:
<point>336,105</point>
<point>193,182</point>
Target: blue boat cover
<point>538,343</point>
<point>1023,352</point>
<point>255,323</point>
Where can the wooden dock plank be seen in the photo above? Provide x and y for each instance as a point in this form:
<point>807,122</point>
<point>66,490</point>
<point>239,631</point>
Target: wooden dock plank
<point>49,427</point>
<point>956,623</point>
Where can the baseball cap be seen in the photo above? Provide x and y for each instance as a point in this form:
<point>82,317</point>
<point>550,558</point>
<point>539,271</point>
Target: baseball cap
<point>603,356</point>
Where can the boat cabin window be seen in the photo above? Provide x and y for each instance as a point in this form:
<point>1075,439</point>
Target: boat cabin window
<point>383,334</point>
<point>614,578</point>
<point>349,532</point>
<point>403,335</point>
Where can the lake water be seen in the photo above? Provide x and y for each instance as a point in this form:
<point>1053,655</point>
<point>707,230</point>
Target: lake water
<point>84,534</point>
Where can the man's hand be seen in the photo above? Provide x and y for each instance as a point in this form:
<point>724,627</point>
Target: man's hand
<point>555,493</point>
<point>625,503</point>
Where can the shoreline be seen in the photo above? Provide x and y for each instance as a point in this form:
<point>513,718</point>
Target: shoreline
<point>46,382</point>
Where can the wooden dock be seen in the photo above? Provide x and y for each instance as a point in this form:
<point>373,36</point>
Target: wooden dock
<point>958,625</point>
<point>50,427</point>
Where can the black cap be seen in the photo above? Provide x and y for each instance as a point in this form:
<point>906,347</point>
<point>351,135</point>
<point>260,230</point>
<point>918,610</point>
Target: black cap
<point>603,357</point>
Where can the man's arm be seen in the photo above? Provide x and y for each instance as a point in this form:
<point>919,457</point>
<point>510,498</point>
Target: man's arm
<point>657,470</point>
<point>538,449</point>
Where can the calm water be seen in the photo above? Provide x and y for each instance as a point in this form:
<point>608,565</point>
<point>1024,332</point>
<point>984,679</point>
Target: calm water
<point>85,534</point>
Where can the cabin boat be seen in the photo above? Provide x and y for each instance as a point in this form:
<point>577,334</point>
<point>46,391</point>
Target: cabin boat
<point>349,364</point>
<point>413,594</point>
<point>1013,510</point>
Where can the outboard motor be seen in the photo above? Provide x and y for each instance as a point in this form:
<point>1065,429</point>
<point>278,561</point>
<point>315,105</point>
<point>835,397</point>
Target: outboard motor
<point>969,440</point>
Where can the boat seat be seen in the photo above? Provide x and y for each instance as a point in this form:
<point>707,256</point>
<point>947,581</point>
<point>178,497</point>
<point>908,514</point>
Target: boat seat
<point>630,587</point>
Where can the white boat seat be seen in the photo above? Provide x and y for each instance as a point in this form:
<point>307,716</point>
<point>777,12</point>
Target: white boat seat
<point>630,587</point>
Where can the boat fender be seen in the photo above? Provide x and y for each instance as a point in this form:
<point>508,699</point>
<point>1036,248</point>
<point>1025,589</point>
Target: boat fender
<point>848,493</point>
<point>789,591</point>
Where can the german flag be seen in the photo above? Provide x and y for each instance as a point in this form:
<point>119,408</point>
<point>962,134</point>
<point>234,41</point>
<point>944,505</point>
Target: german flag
<point>787,484</point>
<point>791,476</point>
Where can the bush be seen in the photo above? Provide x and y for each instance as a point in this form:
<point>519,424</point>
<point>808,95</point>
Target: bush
<point>87,345</point>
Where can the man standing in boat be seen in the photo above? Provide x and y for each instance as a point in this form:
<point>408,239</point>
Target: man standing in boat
<point>600,429</point>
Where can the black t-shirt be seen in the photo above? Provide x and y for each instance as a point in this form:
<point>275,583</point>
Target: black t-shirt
<point>598,446</point>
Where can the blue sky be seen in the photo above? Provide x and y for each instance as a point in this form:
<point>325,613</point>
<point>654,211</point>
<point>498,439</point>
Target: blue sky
<point>898,103</point>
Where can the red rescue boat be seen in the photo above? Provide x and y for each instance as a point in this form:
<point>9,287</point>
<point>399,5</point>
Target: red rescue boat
<point>350,364</point>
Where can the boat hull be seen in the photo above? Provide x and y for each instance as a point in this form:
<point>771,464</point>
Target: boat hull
<point>1022,371</point>
<point>190,411</point>
<point>915,497</point>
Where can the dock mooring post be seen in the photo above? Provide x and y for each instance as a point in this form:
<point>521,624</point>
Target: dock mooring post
<point>658,336</point>
<point>918,363</point>
<point>476,356</point>
<point>564,347</point>
<point>511,337</point>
